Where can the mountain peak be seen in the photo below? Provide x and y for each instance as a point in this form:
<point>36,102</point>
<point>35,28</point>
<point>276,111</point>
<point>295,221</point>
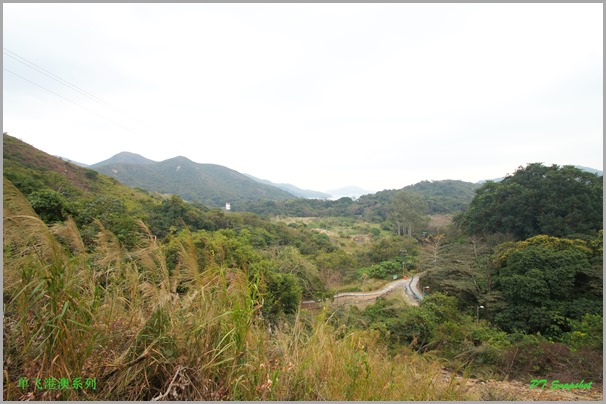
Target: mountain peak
<point>179,159</point>
<point>210,184</point>
<point>124,158</point>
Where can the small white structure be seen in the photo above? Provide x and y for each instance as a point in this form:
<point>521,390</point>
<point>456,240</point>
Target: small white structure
<point>228,206</point>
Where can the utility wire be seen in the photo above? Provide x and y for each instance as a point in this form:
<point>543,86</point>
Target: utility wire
<point>67,99</point>
<point>64,82</point>
<point>42,70</point>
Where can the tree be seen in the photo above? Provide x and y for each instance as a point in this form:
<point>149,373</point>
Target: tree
<point>334,266</point>
<point>387,248</point>
<point>112,213</point>
<point>173,214</point>
<point>557,201</point>
<point>408,210</point>
<point>435,245</point>
<point>546,282</point>
<point>283,295</point>
<point>290,261</point>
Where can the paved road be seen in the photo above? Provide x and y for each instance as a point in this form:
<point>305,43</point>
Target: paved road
<point>414,286</point>
<point>409,288</point>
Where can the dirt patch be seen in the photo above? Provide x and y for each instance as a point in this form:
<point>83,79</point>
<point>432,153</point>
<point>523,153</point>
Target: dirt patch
<point>440,222</point>
<point>516,390</point>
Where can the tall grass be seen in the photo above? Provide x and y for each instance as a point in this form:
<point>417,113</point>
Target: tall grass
<point>191,333</point>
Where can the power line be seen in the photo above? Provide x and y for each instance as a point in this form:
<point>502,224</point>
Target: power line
<point>42,70</point>
<point>66,83</point>
<point>67,99</point>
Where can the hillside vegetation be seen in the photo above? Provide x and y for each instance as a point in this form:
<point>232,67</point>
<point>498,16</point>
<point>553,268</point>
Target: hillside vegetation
<point>210,184</point>
<point>185,318</point>
<point>152,297</point>
<point>558,201</point>
<point>31,170</point>
<point>441,197</point>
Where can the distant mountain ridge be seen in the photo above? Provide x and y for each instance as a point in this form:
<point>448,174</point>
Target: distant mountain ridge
<point>351,191</point>
<point>591,170</point>
<point>211,184</point>
<point>215,185</point>
<point>296,191</point>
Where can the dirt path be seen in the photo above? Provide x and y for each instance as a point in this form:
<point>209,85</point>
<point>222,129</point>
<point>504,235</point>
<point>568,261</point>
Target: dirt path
<point>408,288</point>
<point>481,390</point>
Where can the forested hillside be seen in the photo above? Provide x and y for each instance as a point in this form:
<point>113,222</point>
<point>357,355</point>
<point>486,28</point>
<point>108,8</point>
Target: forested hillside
<point>210,184</point>
<point>153,297</point>
<point>536,199</point>
<point>134,292</point>
<point>441,197</point>
<point>31,169</point>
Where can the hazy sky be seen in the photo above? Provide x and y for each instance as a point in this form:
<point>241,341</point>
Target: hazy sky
<point>317,95</point>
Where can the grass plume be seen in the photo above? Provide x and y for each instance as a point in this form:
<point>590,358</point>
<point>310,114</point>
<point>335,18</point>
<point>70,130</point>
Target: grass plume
<point>193,332</point>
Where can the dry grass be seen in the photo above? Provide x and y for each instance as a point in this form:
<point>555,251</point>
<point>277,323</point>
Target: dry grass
<point>116,316</point>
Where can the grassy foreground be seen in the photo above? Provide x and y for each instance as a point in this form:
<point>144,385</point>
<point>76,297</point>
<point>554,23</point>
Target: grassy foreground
<point>110,324</point>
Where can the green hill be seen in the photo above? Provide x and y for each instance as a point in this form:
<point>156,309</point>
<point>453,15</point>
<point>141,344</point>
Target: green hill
<point>445,196</point>
<point>442,197</point>
<point>210,184</point>
<point>30,170</point>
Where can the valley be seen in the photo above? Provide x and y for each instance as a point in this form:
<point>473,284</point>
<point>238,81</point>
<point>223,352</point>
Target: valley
<point>154,295</point>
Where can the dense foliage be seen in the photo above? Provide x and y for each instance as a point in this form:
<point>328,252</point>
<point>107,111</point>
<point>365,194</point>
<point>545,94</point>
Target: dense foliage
<point>547,282</point>
<point>200,316</point>
<point>556,201</point>
<point>165,298</point>
<point>440,327</point>
<point>446,196</point>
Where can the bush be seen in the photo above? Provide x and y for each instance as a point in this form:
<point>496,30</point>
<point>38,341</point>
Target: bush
<point>50,205</point>
<point>587,333</point>
<point>284,295</point>
<point>384,270</point>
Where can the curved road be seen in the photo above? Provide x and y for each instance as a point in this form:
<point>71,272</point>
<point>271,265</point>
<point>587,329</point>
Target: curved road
<point>409,288</point>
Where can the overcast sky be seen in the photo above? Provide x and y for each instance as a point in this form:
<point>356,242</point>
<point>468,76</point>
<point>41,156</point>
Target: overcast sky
<point>318,95</point>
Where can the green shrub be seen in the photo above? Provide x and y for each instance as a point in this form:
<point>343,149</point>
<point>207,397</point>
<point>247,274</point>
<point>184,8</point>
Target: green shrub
<point>384,270</point>
<point>50,205</point>
<point>587,333</point>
